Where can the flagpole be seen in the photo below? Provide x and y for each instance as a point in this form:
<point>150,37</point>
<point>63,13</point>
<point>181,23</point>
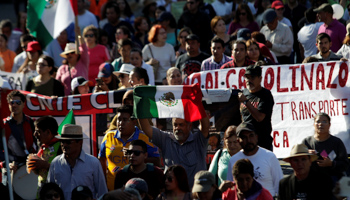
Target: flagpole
<point>77,34</point>
<point>7,163</point>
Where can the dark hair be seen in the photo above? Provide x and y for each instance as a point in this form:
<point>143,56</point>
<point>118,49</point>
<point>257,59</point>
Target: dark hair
<point>140,143</point>
<point>230,131</point>
<point>323,114</point>
<point>185,29</point>
<point>243,166</point>
<point>136,50</point>
<point>181,177</point>
<point>217,137</point>
<point>51,186</point>
<point>239,42</point>
<point>6,23</point>
<point>50,62</point>
<point>16,93</point>
<point>102,33</point>
<point>47,123</point>
<point>125,109</point>
<point>26,38</point>
<point>245,7</point>
<point>94,30</point>
<point>141,73</point>
<point>259,37</point>
<point>310,15</point>
<point>127,9</point>
<point>218,40</point>
<point>124,42</point>
<point>113,5</point>
<point>128,95</point>
<point>138,22</point>
<point>125,30</point>
<point>321,36</point>
<point>4,36</point>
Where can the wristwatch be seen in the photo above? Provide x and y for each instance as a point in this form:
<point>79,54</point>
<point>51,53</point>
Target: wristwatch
<point>245,102</point>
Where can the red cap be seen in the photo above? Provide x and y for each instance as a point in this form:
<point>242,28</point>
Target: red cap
<point>277,5</point>
<point>33,46</point>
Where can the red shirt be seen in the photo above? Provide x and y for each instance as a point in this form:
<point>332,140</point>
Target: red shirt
<point>232,63</point>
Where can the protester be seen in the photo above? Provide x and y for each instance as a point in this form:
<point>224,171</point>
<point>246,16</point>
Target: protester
<point>85,17</point>
<point>331,152</point>
<point>218,165</point>
<point>204,186</point>
<point>176,184</point>
<point>267,170</point>
<point>106,79</point>
<point>173,76</point>
<point>223,9</point>
<point>136,60</point>
<point>137,155</point>
<point>260,39</point>
<point>141,31</point>
<point>124,48</point>
<point>345,49</point>
<point>253,52</point>
<point>243,19</point>
<point>149,10</point>
<point>218,27</point>
<point>125,11</point>
<point>56,47</point>
<point>159,54</point>
<point>279,9</point>
<point>218,57</point>
<point>181,37</point>
<point>13,36</point>
<point>138,76</point>
<point>28,67</point>
<point>304,182</point>
<point>123,76</point>
<point>245,186</point>
<point>50,191</point>
<point>20,58</point>
<point>74,167</point>
<point>43,83</point>
<point>80,86</point>
<point>6,54</point>
<point>75,64</point>
<point>113,160</point>
<point>239,55</point>
<point>97,53</point>
<point>167,20</point>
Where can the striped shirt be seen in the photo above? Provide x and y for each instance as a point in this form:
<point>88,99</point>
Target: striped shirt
<point>210,64</point>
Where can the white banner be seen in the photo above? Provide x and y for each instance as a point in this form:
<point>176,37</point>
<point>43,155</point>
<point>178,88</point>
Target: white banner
<point>300,91</point>
<point>13,81</point>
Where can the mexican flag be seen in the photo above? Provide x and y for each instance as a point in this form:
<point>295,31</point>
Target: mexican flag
<point>69,119</point>
<point>183,101</point>
<point>46,19</point>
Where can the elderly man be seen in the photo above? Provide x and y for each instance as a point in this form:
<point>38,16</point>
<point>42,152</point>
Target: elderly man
<point>278,35</point>
<point>267,170</point>
<point>74,167</point>
<point>304,183</point>
<point>111,154</point>
<point>181,147</point>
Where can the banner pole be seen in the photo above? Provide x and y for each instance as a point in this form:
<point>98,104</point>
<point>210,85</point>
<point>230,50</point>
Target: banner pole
<point>7,162</point>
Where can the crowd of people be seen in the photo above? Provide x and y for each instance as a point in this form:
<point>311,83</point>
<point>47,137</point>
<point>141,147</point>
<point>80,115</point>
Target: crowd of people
<point>124,44</point>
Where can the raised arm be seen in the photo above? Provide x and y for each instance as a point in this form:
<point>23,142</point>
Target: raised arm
<point>205,126</point>
<point>146,127</point>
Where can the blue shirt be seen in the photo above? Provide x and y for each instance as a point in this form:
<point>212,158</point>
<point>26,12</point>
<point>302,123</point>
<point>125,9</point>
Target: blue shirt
<point>87,171</point>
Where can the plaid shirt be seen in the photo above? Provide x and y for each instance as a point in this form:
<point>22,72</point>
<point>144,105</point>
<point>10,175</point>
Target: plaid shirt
<point>232,63</point>
<point>210,64</point>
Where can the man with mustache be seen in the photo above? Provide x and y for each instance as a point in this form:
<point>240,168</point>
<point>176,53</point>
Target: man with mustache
<point>256,105</point>
<point>267,170</point>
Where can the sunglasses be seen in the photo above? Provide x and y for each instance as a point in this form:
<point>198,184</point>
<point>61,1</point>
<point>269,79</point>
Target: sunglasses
<point>89,35</point>
<point>121,76</point>
<point>18,102</point>
<point>169,179</point>
<point>135,152</point>
<point>49,196</point>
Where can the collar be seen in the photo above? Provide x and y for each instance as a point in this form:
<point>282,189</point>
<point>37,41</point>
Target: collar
<point>333,23</point>
<point>12,120</point>
<point>221,61</point>
<point>134,136</point>
<point>45,146</point>
<point>82,155</point>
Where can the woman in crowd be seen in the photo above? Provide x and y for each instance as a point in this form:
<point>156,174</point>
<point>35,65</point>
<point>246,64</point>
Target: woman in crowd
<point>149,10</point>
<point>243,19</point>
<point>136,60</point>
<point>80,85</point>
<point>43,83</point>
<point>218,27</point>
<point>222,157</point>
<point>167,20</point>
<point>6,54</point>
<point>176,184</point>
<point>245,186</point>
<point>159,54</point>
<point>173,76</point>
<point>28,67</point>
<point>51,191</point>
<point>333,159</point>
<point>254,53</point>
<point>75,64</point>
<point>181,37</point>
<point>345,49</point>
<point>97,53</point>
<point>141,33</point>
<point>125,11</point>
<point>123,76</point>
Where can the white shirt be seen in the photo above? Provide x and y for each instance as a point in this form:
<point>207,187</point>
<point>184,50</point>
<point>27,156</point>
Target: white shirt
<point>267,170</point>
<point>150,73</point>
<point>281,39</point>
<point>307,38</point>
<point>251,6</point>
<point>222,9</point>
<point>87,19</point>
<point>344,51</point>
<point>286,21</point>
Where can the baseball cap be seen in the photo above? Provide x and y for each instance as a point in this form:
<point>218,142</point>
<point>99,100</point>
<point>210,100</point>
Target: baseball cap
<point>81,191</point>
<point>106,70</point>
<point>269,15</point>
<point>254,70</point>
<point>277,5</point>
<point>244,126</point>
<point>165,16</point>
<point>326,7</point>
<point>192,37</point>
<point>79,81</point>
<point>33,46</point>
<point>203,181</point>
<point>137,183</point>
<point>244,34</point>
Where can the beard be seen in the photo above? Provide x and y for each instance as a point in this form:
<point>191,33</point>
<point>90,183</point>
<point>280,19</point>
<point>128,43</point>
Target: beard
<point>249,147</point>
<point>179,135</point>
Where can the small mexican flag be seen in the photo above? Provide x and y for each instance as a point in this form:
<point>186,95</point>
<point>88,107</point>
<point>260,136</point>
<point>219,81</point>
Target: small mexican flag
<point>46,19</point>
<point>183,101</point>
<point>69,119</point>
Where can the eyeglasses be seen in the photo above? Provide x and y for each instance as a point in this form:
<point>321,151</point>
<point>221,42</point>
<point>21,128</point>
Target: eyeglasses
<point>169,179</point>
<point>49,196</point>
<point>243,14</point>
<point>89,35</point>
<point>18,102</point>
<point>135,152</point>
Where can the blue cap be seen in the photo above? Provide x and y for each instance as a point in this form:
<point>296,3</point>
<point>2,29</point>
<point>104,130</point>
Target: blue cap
<point>269,15</point>
<point>244,34</point>
<point>106,70</point>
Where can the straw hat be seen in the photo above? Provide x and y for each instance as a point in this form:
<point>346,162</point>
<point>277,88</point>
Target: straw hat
<point>125,69</point>
<point>71,132</point>
<point>300,150</point>
<point>70,47</point>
